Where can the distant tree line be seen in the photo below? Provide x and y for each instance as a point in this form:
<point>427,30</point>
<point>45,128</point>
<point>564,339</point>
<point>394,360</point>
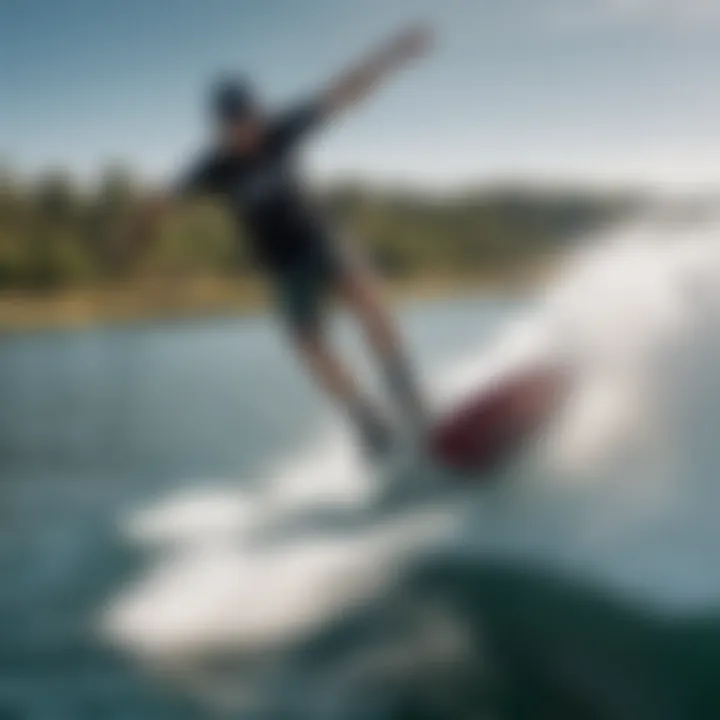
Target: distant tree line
<point>55,234</point>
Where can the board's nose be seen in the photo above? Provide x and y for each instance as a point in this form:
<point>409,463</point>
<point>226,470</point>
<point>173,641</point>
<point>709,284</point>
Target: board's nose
<point>494,423</point>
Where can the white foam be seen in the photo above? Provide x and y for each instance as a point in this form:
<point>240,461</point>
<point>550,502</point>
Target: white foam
<point>629,313</point>
<point>221,595</point>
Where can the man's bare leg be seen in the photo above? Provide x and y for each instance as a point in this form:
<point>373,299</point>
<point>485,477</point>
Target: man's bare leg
<point>362,292</point>
<point>339,382</point>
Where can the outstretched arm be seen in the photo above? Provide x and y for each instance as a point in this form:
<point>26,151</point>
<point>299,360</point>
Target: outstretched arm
<point>197,180</point>
<point>357,83</point>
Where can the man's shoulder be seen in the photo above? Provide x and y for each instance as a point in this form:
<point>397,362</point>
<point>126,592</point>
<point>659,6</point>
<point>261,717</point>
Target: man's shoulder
<point>219,164</point>
<point>291,124</point>
<point>211,159</point>
<point>207,171</point>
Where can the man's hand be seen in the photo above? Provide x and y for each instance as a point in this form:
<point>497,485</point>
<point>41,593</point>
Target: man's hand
<point>357,83</point>
<point>413,42</point>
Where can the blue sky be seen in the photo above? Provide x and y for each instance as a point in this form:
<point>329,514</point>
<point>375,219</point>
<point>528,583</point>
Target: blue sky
<point>600,91</point>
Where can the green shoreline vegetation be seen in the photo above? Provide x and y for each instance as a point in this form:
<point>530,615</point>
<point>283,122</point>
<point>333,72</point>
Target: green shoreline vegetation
<point>179,299</point>
<point>63,260</point>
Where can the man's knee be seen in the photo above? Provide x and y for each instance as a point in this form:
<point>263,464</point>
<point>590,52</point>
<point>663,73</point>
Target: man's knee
<point>304,321</point>
<point>363,293</point>
<point>307,338</point>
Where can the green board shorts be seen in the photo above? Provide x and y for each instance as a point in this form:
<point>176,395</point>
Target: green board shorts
<point>305,288</point>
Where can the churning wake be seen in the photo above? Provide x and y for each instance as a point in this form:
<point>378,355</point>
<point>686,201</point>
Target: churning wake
<point>621,490</point>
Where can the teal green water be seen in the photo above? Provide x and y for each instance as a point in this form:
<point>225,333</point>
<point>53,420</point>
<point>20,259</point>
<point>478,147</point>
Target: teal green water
<point>100,428</point>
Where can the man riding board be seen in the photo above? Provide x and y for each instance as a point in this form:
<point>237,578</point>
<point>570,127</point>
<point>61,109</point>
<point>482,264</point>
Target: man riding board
<point>250,167</point>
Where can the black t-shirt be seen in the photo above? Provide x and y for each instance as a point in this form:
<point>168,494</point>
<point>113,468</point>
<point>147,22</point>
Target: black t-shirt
<point>263,190</point>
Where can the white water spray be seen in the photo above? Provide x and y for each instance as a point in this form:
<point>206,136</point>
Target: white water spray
<point>636,314</point>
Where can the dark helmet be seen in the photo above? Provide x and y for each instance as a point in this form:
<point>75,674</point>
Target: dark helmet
<point>232,99</point>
